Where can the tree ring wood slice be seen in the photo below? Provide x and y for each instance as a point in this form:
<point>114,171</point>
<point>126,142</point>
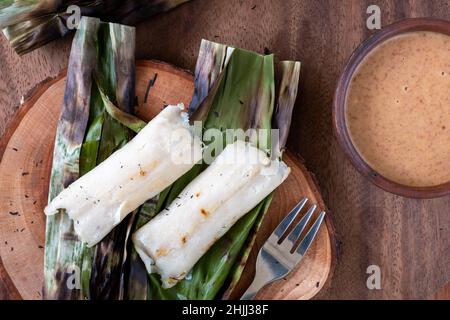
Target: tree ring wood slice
<point>26,151</point>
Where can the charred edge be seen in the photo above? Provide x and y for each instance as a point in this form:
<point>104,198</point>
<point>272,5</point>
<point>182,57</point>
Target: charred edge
<point>150,84</point>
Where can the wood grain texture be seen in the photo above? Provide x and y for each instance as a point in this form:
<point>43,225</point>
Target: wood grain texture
<point>408,239</point>
<point>443,294</point>
<point>25,170</point>
<point>34,221</point>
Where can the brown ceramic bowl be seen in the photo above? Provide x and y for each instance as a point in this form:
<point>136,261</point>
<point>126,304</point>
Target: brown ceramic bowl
<point>339,105</point>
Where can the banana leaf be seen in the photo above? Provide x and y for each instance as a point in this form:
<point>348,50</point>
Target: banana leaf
<point>101,65</point>
<point>288,75</point>
<point>29,24</point>
<point>234,89</point>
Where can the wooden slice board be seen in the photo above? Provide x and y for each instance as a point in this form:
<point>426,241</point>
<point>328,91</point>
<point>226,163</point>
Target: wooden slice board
<point>26,157</point>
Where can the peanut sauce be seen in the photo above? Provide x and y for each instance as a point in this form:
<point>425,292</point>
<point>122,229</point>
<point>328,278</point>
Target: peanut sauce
<point>398,109</point>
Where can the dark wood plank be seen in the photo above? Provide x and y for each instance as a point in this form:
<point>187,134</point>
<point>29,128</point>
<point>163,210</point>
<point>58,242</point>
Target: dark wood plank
<point>408,239</point>
<point>7,289</point>
<point>443,294</point>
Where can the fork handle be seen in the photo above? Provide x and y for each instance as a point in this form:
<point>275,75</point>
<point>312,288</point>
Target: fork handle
<point>257,284</point>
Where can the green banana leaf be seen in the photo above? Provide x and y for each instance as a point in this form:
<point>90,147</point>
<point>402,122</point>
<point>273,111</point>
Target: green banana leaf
<point>242,98</point>
<point>234,89</point>
<point>63,251</point>
<point>29,24</point>
<point>288,75</point>
<point>101,65</point>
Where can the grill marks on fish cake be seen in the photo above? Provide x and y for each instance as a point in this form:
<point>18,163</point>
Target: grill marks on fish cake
<point>204,212</point>
<point>144,171</point>
<point>161,252</point>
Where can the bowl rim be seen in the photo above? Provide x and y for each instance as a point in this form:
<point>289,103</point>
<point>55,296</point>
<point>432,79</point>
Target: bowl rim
<point>339,106</point>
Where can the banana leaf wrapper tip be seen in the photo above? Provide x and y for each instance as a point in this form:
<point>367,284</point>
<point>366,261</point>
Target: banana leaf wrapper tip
<point>31,24</point>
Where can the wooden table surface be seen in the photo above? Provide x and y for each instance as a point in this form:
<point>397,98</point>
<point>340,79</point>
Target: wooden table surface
<point>408,239</point>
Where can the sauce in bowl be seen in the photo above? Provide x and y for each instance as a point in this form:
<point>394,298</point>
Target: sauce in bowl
<point>398,109</point>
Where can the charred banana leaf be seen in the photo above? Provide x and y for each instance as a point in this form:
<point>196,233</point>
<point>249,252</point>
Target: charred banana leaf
<point>101,66</point>
<point>33,23</point>
<point>234,89</point>
<point>287,75</point>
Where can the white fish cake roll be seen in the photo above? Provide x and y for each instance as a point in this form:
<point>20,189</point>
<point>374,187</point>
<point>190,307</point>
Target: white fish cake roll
<point>157,156</point>
<point>240,178</point>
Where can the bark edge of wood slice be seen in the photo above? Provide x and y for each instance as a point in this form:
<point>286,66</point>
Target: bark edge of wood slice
<point>26,151</point>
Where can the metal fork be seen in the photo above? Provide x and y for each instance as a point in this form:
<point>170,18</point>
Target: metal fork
<point>278,256</point>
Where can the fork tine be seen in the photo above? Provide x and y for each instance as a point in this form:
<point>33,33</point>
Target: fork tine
<point>297,231</point>
<point>309,238</point>
<point>283,226</point>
